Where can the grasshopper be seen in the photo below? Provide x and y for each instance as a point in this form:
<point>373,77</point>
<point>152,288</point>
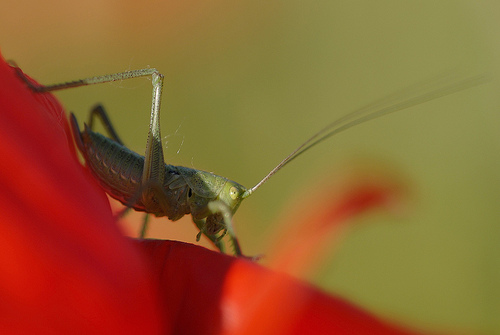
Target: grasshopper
<point>148,184</point>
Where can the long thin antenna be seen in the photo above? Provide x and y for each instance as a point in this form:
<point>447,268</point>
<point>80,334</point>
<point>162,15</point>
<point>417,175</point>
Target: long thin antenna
<point>406,98</point>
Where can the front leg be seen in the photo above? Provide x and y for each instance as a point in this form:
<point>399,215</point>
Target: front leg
<point>201,224</point>
<point>220,218</point>
<point>221,210</point>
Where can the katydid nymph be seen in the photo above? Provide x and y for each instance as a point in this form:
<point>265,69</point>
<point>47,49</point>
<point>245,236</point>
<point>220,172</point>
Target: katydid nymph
<point>147,183</point>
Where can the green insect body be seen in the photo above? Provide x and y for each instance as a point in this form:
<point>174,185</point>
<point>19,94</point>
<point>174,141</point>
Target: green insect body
<point>184,191</point>
<point>187,191</point>
<point>148,184</point>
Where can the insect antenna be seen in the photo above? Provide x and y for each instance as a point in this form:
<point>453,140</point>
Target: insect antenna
<point>406,98</point>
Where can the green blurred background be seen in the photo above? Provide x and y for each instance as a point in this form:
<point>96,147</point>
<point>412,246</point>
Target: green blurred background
<point>248,81</point>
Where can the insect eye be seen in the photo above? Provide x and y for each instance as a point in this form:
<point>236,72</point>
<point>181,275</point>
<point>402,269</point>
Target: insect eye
<point>233,193</point>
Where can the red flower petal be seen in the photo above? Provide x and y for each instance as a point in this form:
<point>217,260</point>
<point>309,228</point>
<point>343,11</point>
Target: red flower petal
<point>209,293</point>
<point>64,265</point>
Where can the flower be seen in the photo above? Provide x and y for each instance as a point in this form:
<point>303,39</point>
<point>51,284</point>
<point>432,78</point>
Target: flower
<point>66,267</point>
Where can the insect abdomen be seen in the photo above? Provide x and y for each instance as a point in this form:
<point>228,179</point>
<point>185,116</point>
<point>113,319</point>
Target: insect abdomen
<point>119,171</point>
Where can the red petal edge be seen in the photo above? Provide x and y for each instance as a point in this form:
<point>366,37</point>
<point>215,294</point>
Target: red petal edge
<point>313,227</point>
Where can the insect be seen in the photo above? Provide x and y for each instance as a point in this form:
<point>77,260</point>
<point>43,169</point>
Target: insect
<point>147,183</point>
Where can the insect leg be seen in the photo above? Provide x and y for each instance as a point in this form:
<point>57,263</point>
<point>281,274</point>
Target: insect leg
<point>225,212</point>
<point>154,163</point>
<point>98,111</point>
<point>144,227</point>
<point>201,224</point>
<point>86,81</point>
